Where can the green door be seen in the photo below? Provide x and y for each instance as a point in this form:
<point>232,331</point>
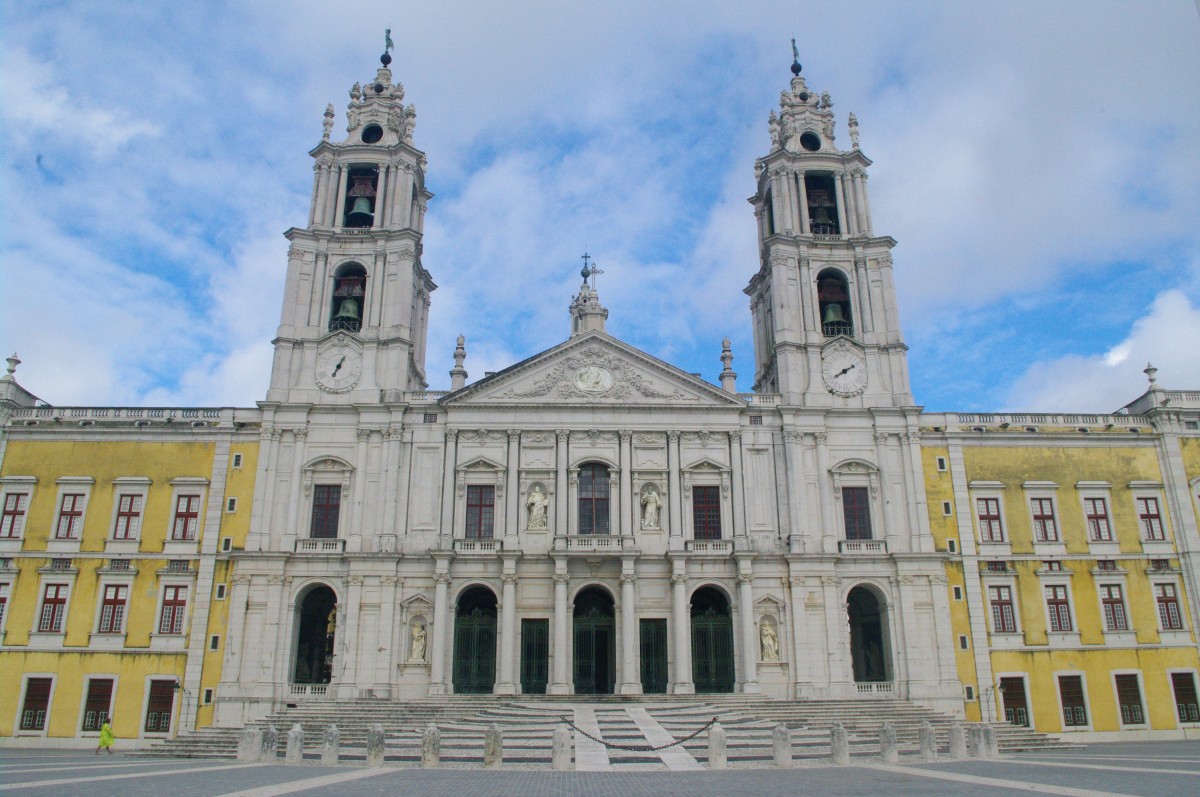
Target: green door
<point>475,651</point>
<point>654,656</point>
<point>595,651</point>
<point>712,642</point>
<point>535,656</point>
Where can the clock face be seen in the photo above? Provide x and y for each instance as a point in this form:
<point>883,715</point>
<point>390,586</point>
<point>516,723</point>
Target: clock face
<point>844,370</point>
<point>338,368</point>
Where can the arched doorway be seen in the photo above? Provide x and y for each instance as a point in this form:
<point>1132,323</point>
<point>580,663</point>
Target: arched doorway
<point>712,641</point>
<point>867,650</point>
<point>595,643</point>
<point>475,642</point>
<point>314,639</point>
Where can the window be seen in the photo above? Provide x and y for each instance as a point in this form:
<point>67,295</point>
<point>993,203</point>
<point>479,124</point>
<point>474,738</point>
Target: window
<point>857,513</point>
<point>99,701</point>
<point>1169,616</point>
<point>187,517</point>
<point>349,290</point>
<point>1044,527</point>
<point>158,707</point>
<point>1004,618</point>
<point>1186,705</point>
<point>994,566</point>
<point>1150,519</point>
<point>129,517</point>
<point>4,588</point>
<point>1129,699</point>
<point>481,511</point>
<point>179,565</point>
<point>112,609</point>
<point>970,691</point>
<point>941,463</point>
<point>756,420</point>
<point>962,641</point>
<point>208,696</point>
<point>54,608</point>
<point>230,504</point>
<point>1070,689</point>
<point>118,564</point>
<point>12,521</point>
<point>326,511</point>
<point>1160,564</point>
<point>220,592</point>
<point>1096,512</point>
<point>60,564</point>
<point>991,528</point>
<point>952,546</point>
<point>593,499</point>
<point>237,460</point>
<point>1059,608</point>
<point>173,605</point>
<point>706,513</point>
<point>1106,564</point>
<point>1113,604</point>
<point>1052,566</point>
<point>227,543</point>
<point>214,642</point>
<point>958,594</point>
<point>37,704</point>
<point>947,510</point>
<point>70,517</point>
<point>430,417</point>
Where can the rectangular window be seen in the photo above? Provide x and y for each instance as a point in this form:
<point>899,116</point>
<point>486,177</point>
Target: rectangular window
<point>1004,618</point>
<point>70,517</point>
<point>756,420</point>
<point>1168,607</point>
<point>1150,519</point>
<point>187,517</point>
<point>857,512</point>
<point>54,608</point>
<point>970,693</point>
<point>4,588</point>
<point>1187,707</point>
<point>118,564</point>
<point>99,700</point>
<point>990,527</point>
<point>208,696</point>
<point>1106,564</point>
<point>962,641</point>
<point>593,499</point>
<point>174,603</point>
<point>430,417</point>
<point>1129,699</point>
<point>947,510</point>
<point>112,609</point>
<point>326,510</point>
<point>220,592</point>
<point>179,565</point>
<point>1070,687</point>
<point>958,594</point>
<point>37,703</point>
<point>1052,565</point>
<point>214,642</point>
<point>1059,608</point>
<point>12,521</point>
<point>941,463</point>
<point>230,504</point>
<point>129,517</point>
<point>1044,527</point>
<point>994,566</point>
<point>60,564</point>
<point>237,460</point>
<point>1114,608</point>
<point>706,513</point>
<point>1096,511</point>
<point>158,707</point>
<point>481,512</point>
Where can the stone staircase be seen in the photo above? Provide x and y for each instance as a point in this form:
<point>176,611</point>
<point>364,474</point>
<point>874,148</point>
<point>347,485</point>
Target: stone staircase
<point>528,722</point>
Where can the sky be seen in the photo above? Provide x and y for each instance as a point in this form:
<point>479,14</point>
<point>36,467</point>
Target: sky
<point>1036,162</point>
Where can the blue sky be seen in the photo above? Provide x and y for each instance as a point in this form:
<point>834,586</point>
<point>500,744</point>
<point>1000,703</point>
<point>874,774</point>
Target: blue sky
<point>1036,163</point>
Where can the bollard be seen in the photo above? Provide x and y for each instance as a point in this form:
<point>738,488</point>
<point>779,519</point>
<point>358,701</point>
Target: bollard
<point>331,746</point>
<point>887,744</point>
<point>977,744</point>
<point>250,744</point>
<point>375,745</point>
<point>716,746</point>
<point>928,740</point>
<point>839,744</point>
<point>493,747</point>
<point>958,740</point>
<point>561,756</point>
<point>431,746</point>
<point>990,743</point>
<point>295,744</point>
<point>782,739</point>
<point>270,744</point>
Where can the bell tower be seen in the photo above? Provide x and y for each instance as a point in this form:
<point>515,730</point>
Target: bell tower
<point>356,300</point>
<point>826,331</point>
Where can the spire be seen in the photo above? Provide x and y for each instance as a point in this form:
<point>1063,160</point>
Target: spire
<point>728,377</point>
<point>458,374</point>
<point>586,311</point>
<point>805,120</point>
<point>795,59</point>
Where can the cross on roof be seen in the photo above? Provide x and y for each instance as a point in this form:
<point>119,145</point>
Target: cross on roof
<point>590,270</point>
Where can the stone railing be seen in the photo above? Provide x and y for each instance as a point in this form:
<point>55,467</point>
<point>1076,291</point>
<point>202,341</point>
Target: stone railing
<point>476,547</point>
<point>1018,422</point>
<point>862,546</point>
<point>876,688</point>
<point>307,690</point>
<point>592,543</point>
<point>710,547</point>
<point>320,545</point>
<point>130,416</point>
<point>392,396</point>
<point>760,399</point>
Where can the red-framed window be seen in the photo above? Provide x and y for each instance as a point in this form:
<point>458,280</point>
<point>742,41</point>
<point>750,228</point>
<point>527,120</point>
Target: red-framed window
<point>481,511</point>
<point>112,608</point>
<point>1169,615</point>
<point>4,588</point>
<point>1187,707</point>
<point>54,608</point>
<point>70,517</point>
<point>1113,603</point>
<point>12,519</point>
<point>1059,607</point>
<point>129,517</point>
<point>593,499</point>
<point>1150,518</point>
<point>1096,511</point>
<point>159,705</point>
<point>1044,527</point>
<point>173,606</point>
<point>1129,699</point>
<point>326,511</point>
<point>37,704</point>
<point>856,510</point>
<point>1004,616</point>
<point>991,529</point>
<point>99,703</point>
<point>1070,689</point>
<point>187,517</point>
<point>706,513</point>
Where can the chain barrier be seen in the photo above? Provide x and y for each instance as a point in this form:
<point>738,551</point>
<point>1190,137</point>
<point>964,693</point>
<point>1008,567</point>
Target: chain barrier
<point>641,748</point>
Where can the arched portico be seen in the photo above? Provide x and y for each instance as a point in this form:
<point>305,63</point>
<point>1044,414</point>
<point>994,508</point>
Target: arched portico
<point>712,641</point>
<point>594,642</point>
<point>869,649</point>
<point>475,642</point>
<point>316,627</point>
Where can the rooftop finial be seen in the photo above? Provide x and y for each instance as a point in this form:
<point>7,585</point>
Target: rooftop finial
<point>13,362</point>
<point>386,58</point>
<point>589,270</point>
<point>1150,371</point>
<point>795,59</point>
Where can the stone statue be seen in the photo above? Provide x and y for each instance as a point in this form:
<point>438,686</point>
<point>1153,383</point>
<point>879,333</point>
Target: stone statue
<point>773,129</point>
<point>769,641</point>
<point>651,503</point>
<point>536,502</point>
<point>417,649</point>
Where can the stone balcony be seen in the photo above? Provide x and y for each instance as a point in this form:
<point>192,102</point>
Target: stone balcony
<point>595,544</point>
<point>320,546</point>
<point>862,547</point>
<point>477,547</point>
<point>709,547</point>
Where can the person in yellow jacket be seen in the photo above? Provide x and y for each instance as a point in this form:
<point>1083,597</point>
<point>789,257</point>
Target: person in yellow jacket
<point>106,737</point>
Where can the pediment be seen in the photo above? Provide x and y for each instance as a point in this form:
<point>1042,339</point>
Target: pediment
<point>589,370</point>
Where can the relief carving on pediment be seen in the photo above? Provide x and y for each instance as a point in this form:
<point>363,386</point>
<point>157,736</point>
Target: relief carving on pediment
<point>593,373</point>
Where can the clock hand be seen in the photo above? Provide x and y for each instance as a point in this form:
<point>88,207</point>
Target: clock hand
<point>845,370</point>
<point>338,367</point>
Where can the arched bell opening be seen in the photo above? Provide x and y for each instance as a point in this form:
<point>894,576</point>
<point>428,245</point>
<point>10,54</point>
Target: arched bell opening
<point>833,299</point>
<point>361,193</point>
<point>822,204</point>
<point>349,293</point>
<point>868,636</point>
<point>475,642</point>
<point>595,642</point>
<point>317,627</point>
<point>712,641</point>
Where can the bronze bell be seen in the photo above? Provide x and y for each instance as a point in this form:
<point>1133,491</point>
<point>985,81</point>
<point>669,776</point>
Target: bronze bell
<point>833,314</point>
<point>360,213</point>
<point>348,309</point>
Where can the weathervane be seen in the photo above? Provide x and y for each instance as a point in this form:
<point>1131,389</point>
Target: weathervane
<point>388,46</point>
<point>590,270</point>
<point>795,58</point>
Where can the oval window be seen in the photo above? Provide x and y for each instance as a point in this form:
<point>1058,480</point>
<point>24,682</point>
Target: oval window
<point>810,141</point>
<point>371,134</point>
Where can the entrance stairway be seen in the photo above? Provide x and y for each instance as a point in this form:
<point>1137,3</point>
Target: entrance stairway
<point>527,723</point>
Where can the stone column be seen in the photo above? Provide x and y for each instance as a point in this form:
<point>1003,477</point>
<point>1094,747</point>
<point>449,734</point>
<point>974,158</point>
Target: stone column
<point>348,640</point>
<point>829,529</point>
<point>841,203</point>
<point>631,682</point>
<point>795,465</point>
<point>805,227</point>
<point>393,441</point>
<point>386,660</point>
<point>627,499</point>
<point>682,631</point>
<point>354,516</point>
<point>508,630</point>
<point>339,203</point>
<point>441,622</point>
<point>866,195</point>
<point>561,507</point>
<point>745,581</point>
<point>292,529</point>
<point>512,497</point>
<point>560,685</point>
<point>837,635</point>
<point>446,527</point>
<point>675,520</point>
<point>740,528</point>
<point>859,201</point>
<point>848,188</point>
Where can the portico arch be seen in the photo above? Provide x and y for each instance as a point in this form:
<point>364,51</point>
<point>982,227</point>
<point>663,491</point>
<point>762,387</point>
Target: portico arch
<point>316,612</point>
<point>870,653</point>
<point>475,641</point>
<point>712,641</point>
<point>595,642</point>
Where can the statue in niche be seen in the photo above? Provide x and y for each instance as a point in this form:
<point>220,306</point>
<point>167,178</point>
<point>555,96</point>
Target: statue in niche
<point>651,503</point>
<point>417,649</point>
<point>769,641</point>
<point>536,503</point>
